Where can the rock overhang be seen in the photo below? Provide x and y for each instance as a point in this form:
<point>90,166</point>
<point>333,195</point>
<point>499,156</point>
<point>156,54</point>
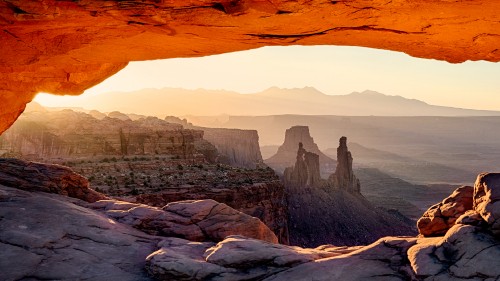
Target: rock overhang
<point>65,47</point>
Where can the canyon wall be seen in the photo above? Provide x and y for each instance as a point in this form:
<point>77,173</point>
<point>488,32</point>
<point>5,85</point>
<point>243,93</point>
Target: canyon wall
<point>69,134</point>
<point>239,148</point>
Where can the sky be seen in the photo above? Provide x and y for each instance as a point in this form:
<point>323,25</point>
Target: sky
<point>334,70</point>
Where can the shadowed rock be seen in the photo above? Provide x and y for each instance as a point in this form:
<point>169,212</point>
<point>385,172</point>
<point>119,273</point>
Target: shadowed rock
<point>344,177</point>
<point>32,176</point>
<point>487,199</point>
<point>195,220</point>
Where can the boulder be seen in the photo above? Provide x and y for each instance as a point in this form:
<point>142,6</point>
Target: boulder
<point>195,220</point>
<point>487,200</point>
<point>32,176</point>
<point>442,216</point>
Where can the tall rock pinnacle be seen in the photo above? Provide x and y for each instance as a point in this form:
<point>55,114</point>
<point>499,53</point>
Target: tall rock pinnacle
<point>344,177</point>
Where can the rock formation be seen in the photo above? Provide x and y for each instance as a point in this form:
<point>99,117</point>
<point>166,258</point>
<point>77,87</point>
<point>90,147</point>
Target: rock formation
<point>344,178</point>
<point>486,200</point>
<point>195,220</point>
<point>66,47</point>
<point>80,240</point>
<point>69,134</point>
<point>305,172</point>
<point>56,179</point>
<point>239,148</point>
<point>287,152</point>
<point>338,208</point>
<point>439,218</point>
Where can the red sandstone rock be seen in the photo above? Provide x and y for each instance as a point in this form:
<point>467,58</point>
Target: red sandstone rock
<point>65,47</point>
<point>442,216</point>
<point>195,220</point>
<point>57,179</point>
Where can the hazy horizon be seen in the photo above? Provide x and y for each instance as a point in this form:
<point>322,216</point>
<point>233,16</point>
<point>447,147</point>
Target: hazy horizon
<point>333,70</point>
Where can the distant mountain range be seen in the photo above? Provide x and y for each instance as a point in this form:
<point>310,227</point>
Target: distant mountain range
<point>273,101</point>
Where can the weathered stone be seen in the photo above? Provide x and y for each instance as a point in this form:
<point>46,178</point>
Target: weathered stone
<point>287,153</point>
<point>344,177</point>
<point>487,199</point>
<point>305,172</point>
<point>200,220</point>
<point>465,252</point>
<point>57,179</point>
<point>442,216</point>
<point>66,47</point>
<point>48,237</point>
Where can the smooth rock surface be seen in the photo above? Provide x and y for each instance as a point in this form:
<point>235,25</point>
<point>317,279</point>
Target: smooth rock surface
<point>48,237</point>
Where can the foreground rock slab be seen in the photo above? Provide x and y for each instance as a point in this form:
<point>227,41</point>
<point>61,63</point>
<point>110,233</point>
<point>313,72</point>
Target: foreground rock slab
<point>48,237</point>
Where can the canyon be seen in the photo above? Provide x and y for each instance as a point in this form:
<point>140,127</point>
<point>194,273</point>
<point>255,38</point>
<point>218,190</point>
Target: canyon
<point>343,214</point>
<point>110,239</point>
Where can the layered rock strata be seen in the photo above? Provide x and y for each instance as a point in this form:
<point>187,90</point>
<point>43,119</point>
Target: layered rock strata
<point>66,47</point>
<point>238,148</point>
<point>69,134</point>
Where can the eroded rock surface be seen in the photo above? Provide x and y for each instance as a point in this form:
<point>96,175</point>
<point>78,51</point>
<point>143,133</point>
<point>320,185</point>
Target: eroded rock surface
<point>195,220</point>
<point>48,237</point>
<point>305,172</point>
<point>66,47</point>
<point>487,199</point>
<point>442,216</point>
<point>287,152</point>
<point>344,177</point>
<point>57,179</point>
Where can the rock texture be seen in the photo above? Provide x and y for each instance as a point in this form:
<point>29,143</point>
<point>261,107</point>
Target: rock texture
<point>238,148</point>
<point>305,172</point>
<point>60,238</point>
<point>263,200</point>
<point>70,134</point>
<point>66,47</point>
<point>287,152</point>
<point>344,177</point>
<point>442,216</point>
<point>487,199</point>
<point>202,220</point>
<point>56,179</point>
<point>48,237</point>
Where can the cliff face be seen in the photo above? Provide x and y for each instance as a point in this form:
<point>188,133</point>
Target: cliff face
<point>287,152</point>
<point>239,148</point>
<point>68,134</point>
